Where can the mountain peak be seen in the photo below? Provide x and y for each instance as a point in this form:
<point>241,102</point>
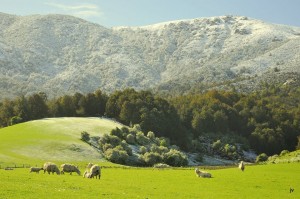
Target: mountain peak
<point>60,54</point>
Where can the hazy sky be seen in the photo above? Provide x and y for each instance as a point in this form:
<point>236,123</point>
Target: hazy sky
<point>144,12</point>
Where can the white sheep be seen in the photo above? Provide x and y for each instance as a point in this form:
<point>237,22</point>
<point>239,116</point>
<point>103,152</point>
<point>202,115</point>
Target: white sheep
<point>35,169</point>
<point>94,171</point>
<point>202,174</point>
<point>87,174</point>
<point>242,166</point>
<point>89,165</point>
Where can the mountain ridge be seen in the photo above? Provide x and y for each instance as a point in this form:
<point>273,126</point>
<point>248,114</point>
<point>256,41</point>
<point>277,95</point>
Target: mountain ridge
<point>61,54</point>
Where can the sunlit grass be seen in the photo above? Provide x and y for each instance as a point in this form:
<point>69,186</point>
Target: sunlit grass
<point>262,181</point>
<point>52,139</point>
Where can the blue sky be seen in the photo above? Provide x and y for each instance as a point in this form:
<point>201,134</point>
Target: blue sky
<point>111,13</point>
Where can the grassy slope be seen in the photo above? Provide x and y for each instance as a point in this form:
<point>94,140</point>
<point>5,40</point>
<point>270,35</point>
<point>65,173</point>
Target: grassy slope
<point>262,181</point>
<point>52,139</point>
<point>293,156</point>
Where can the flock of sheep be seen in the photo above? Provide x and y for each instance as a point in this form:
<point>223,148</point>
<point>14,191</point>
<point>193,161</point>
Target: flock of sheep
<point>92,170</point>
<point>208,175</point>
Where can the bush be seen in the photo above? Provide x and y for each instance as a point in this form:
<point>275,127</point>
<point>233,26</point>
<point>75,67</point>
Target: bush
<point>230,151</point>
<point>130,139</point>
<point>164,142</point>
<point>141,139</point>
<point>217,145</point>
<point>151,135</point>
<point>159,149</point>
<point>106,146</point>
<point>15,120</point>
<point>85,136</point>
<point>143,150</point>
<point>137,128</point>
<point>117,132</point>
<point>116,155</point>
<point>261,157</point>
<point>175,158</point>
<point>126,147</point>
<point>151,158</point>
<point>284,152</point>
<point>125,131</point>
<point>104,139</point>
<point>161,165</point>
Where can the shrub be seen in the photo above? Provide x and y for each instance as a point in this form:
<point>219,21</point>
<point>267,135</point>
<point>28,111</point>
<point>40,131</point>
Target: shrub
<point>15,120</point>
<point>217,145</point>
<point>159,149</point>
<point>116,155</point>
<point>137,128</point>
<point>143,150</point>
<point>85,136</point>
<point>104,139</point>
<point>284,152</point>
<point>126,147</point>
<point>175,158</point>
<point>130,139</point>
<point>106,146</point>
<point>164,142</point>
<point>151,135</point>
<point>117,132</point>
<point>230,151</point>
<point>125,131</point>
<point>151,158</point>
<point>141,139</point>
<point>161,165</point>
<point>261,157</point>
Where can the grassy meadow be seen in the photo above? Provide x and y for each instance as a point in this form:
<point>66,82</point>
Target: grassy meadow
<point>261,181</point>
<point>51,139</point>
<point>58,140</point>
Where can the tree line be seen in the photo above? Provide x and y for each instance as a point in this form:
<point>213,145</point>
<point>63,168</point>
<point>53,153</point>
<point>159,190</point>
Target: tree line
<point>267,121</point>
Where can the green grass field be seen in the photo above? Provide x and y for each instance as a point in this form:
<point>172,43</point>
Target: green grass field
<point>58,140</point>
<point>52,139</point>
<point>262,181</point>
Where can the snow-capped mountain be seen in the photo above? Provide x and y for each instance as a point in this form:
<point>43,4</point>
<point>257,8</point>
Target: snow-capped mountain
<point>61,54</point>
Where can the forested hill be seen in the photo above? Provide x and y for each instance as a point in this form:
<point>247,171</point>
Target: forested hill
<point>267,121</point>
<point>60,54</point>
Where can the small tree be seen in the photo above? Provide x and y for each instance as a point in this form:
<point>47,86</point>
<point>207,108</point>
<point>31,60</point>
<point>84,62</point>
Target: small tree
<point>175,158</point>
<point>15,120</point>
<point>143,150</point>
<point>141,139</point>
<point>151,135</point>
<point>261,157</point>
<point>130,139</point>
<point>85,136</point>
<point>116,155</point>
<point>217,146</point>
<point>152,158</point>
<point>117,132</point>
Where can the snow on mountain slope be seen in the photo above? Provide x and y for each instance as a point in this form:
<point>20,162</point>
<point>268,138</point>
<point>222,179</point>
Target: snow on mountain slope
<point>61,54</point>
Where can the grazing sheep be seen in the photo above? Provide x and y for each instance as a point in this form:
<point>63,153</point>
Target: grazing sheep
<point>89,165</point>
<point>51,167</point>
<point>69,168</point>
<point>242,166</point>
<point>87,174</point>
<point>94,171</point>
<point>35,169</point>
<point>202,174</point>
